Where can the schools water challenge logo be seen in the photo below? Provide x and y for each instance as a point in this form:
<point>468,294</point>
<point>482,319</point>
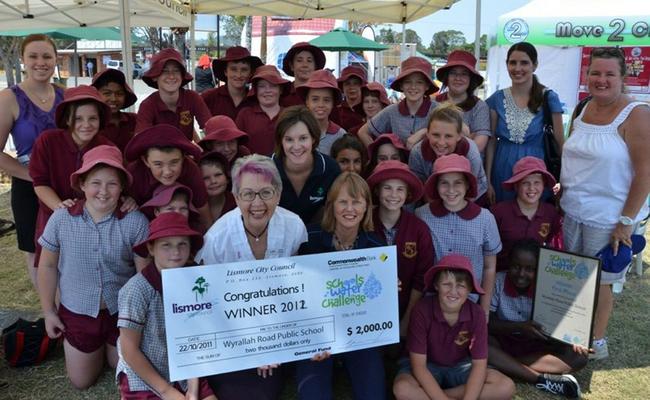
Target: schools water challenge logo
<point>353,291</point>
<point>567,268</point>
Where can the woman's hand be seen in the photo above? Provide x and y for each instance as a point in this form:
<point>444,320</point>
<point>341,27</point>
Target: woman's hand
<point>192,389</point>
<point>266,370</point>
<point>621,234</point>
<point>53,325</point>
<point>67,203</point>
<point>321,356</point>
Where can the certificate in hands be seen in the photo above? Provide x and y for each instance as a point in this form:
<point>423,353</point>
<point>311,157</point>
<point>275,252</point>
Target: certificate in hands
<point>229,317</point>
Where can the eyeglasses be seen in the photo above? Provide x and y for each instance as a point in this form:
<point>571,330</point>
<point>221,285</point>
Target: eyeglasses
<point>249,195</point>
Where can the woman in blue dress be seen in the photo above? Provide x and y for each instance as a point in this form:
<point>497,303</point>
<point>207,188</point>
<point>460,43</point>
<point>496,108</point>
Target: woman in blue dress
<point>517,120</point>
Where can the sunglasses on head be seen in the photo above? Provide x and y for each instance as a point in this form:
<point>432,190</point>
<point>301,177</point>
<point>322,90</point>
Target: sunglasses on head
<point>608,52</point>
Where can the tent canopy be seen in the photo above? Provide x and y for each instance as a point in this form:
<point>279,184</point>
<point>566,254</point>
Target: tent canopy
<point>72,33</point>
<point>342,40</point>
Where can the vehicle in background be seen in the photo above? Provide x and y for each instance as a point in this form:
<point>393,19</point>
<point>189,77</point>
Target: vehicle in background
<point>119,64</point>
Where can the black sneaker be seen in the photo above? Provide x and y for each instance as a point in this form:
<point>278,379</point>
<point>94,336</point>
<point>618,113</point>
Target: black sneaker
<point>566,385</point>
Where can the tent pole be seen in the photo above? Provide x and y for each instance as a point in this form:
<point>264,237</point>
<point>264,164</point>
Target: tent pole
<point>477,35</point>
<point>75,64</point>
<point>127,51</point>
<point>403,47</point>
<point>192,45</point>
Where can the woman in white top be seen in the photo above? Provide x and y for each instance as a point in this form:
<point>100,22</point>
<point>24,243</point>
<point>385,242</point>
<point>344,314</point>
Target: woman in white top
<point>605,174</point>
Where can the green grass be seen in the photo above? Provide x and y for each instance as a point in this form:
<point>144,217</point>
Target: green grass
<point>625,375</point>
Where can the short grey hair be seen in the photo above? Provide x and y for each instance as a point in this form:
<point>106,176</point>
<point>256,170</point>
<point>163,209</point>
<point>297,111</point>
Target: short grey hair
<point>255,164</point>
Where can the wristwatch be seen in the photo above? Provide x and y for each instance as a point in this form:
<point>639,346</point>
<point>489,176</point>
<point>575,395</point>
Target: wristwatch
<point>627,221</point>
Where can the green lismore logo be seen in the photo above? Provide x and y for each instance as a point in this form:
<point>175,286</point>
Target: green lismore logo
<point>200,287</point>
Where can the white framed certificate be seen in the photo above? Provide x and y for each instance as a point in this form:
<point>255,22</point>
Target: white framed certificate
<point>566,292</point>
<point>234,316</point>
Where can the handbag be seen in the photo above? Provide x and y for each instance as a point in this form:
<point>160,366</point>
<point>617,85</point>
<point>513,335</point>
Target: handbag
<point>26,343</point>
<point>552,155</point>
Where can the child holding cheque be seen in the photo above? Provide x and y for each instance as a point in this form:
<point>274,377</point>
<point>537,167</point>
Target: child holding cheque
<point>142,370</point>
<point>447,341</point>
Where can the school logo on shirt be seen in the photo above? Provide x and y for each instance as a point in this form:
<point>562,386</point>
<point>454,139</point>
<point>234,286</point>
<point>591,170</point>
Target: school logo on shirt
<point>462,338</point>
<point>186,118</point>
<point>410,249</point>
<point>544,229</point>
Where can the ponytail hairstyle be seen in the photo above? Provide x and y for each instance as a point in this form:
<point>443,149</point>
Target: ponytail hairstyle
<point>536,97</point>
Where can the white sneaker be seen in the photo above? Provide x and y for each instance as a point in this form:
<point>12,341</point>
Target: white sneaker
<point>600,351</point>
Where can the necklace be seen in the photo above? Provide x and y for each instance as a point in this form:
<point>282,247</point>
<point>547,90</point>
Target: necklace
<point>257,237</point>
<point>341,246</point>
<point>41,99</point>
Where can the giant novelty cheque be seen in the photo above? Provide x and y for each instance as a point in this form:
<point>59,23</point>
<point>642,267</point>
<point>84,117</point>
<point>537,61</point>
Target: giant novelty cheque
<point>234,316</point>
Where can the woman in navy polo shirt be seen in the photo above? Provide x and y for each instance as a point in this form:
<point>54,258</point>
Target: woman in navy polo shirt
<point>306,173</point>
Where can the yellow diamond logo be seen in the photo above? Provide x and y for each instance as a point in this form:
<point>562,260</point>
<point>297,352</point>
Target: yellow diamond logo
<point>383,257</point>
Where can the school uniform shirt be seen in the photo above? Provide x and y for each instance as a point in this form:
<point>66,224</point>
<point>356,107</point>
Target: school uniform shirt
<point>320,241</point>
<point>328,138</point>
<point>154,111</point>
<point>121,133</point>
<point>292,98</point>
<point>226,240</point>
<point>141,309</point>
<point>95,258</point>
<point>471,232</point>
<point>55,156</point>
<point>144,183</point>
<point>508,303</point>
<point>397,119</point>
<point>514,225</point>
<point>314,192</point>
<point>422,157</point>
<point>348,117</point>
<point>219,102</point>
<point>429,333</point>
<point>260,128</point>
<point>414,252</point>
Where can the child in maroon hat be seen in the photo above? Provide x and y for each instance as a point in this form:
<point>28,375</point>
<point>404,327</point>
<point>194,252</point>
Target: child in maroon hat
<point>173,198</point>
<point>526,216</point>
<point>57,153</point>
<point>87,255</point>
<point>447,341</point>
<point>161,155</point>
<point>386,147</point>
<point>348,113</point>
<point>235,69</point>
<point>459,226</point>
<point>115,92</point>
<point>223,136</point>
<point>301,61</point>
<point>373,100</point>
<point>216,176</point>
<point>171,104</point>
<point>142,371</point>
<point>321,94</point>
<point>408,118</point>
<point>258,120</point>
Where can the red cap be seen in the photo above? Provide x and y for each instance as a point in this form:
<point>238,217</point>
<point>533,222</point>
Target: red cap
<point>234,53</point>
<point>271,74</point>
<point>222,128</point>
<point>115,75</point>
<point>167,225</point>
<point>163,195</point>
<point>158,62</point>
<point>526,166</point>
<point>460,58</point>
<point>103,154</point>
<point>453,262</point>
<point>204,61</point>
<point>317,53</point>
<point>353,71</point>
<point>394,169</point>
<point>321,79</point>
<point>413,65</point>
<point>377,89</point>
<point>447,164</point>
<point>387,138</point>
<point>161,135</point>
<point>79,93</point>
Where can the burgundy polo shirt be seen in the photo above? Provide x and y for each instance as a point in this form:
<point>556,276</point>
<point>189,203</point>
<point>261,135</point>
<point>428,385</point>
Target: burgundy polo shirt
<point>55,156</point>
<point>121,133</point>
<point>154,111</point>
<point>144,183</point>
<point>260,128</point>
<point>429,333</point>
<point>219,102</point>
<point>415,253</point>
<point>292,98</point>
<point>346,116</point>
<point>514,225</point>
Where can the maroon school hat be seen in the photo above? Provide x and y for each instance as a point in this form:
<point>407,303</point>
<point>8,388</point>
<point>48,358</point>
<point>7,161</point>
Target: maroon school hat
<point>387,138</point>
<point>317,53</point>
<point>158,62</point>
<point>526,166</point>
<point>270,74</point>
<point>377,89</point>
<point>321,79</point>
<point>81,93</point>
<point>109,75</point>
<point>234,53</point>
<point>161,135</point>
<point>167,225</point>
<point>353,71</point>
<point>393,169</point>
<point>447,164</point>
<point>222,128</point>
<point>162,195</point>
<point>460,58</point>
<point>103,154</point>
<point>454,262</point>
<point>411,66</point>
